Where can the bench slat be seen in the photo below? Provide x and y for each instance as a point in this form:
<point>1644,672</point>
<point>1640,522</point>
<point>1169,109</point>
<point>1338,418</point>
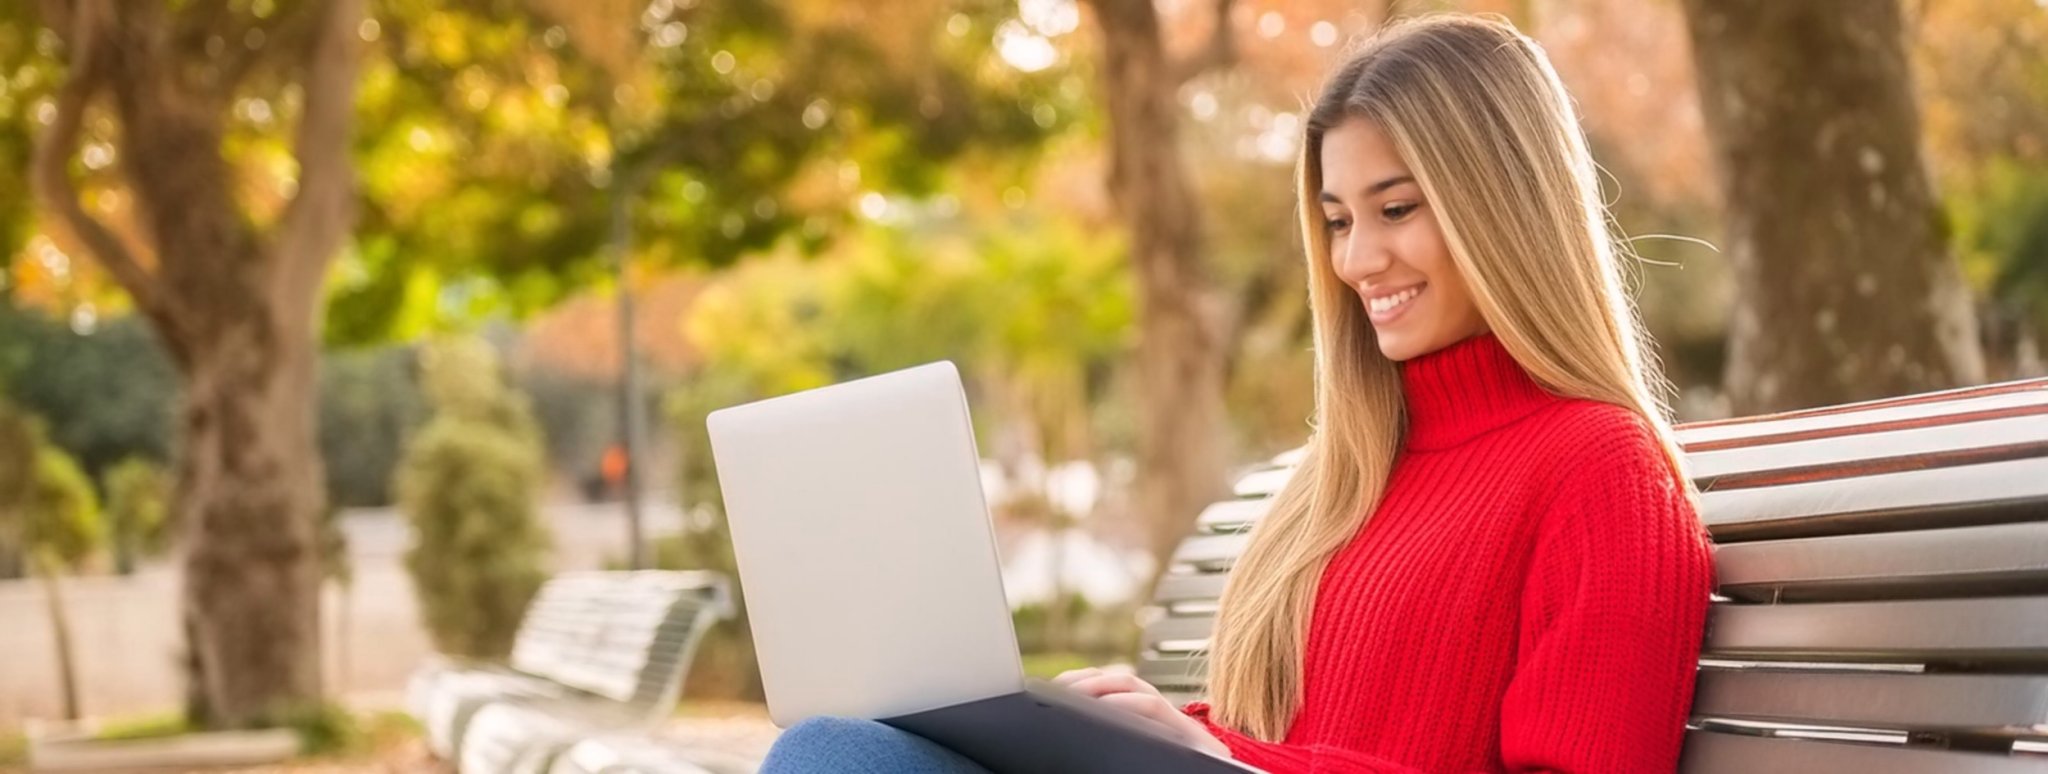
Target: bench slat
<point>1908,407</point>
<point>1984,703</point>
<point>1997,559</point>
<point>2000,629</point>
<point>1232,515</point>
<point>1211,553</point>
<point>1713,752</point>
<point>1178,588</point>
<point>1178,634</point>
<point>1932,438</point>
<point>2005,491</point>
<point>1173,670</point>
<point>1263,482</point>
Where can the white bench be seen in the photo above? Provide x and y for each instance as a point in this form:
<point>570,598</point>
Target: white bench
<point>595,653</point>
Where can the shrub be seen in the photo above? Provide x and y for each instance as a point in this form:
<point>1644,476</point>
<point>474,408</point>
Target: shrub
<point>467,485</point>
<point>138,503</point>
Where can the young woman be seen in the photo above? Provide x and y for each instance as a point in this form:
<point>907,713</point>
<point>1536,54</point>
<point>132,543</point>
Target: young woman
<point>1489,560</point>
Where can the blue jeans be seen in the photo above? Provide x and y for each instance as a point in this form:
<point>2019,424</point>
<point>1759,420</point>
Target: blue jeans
<point>847,746</point>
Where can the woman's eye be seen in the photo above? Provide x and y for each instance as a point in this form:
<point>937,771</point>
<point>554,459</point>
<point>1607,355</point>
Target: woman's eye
<point>1335,224</point>
<point>1397,212</point>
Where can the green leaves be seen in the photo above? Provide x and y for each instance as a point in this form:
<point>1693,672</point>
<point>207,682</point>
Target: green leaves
<point>468,485</point>
<point>138,505</point>
<point>494,135</point>
<point>47,505</point>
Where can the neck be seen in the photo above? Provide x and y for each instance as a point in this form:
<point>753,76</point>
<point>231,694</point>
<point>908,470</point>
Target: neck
<point>1464,391</point>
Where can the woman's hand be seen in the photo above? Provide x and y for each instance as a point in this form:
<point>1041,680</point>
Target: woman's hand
<point>1127,692</point>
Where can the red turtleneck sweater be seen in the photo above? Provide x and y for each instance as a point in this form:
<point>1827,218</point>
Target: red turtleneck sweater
<point>1529,595</point>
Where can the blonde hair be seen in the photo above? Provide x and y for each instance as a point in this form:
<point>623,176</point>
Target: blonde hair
<point>1490,135</point>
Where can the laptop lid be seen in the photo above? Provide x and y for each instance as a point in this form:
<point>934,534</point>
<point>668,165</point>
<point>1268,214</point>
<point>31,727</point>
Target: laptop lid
<point>866,558</point>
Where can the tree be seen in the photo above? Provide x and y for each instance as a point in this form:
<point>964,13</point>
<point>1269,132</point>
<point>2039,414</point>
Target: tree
<point>468,484</point>
<point>20,443</point>
<point>498,133</point>
<point>104,395</point>
<point>235,300</point>
<point>138,496</point>
<point>225,128</point>
<point>1183,322</point>
<point>1984,86</point>
<point>370,403</point>
<point>49,513</point>
<point>1846,288</point>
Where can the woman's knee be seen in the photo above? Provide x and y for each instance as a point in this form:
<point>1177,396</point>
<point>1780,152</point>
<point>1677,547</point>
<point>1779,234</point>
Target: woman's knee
<point>836,731</point>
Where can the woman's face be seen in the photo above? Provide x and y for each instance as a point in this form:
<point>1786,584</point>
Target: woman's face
<point>1385,244</point>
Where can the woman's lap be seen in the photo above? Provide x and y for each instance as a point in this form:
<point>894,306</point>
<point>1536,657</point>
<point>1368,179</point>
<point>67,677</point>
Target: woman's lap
<point>847,746</point>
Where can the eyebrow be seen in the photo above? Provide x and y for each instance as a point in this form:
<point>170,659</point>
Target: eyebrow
<point>1369,190</point>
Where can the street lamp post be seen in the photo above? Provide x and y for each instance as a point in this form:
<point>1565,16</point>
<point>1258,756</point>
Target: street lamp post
<point>629,371</point>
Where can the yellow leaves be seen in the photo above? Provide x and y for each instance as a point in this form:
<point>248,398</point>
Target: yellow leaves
<point>445,37</point>
<point>61,279</point>
<point>755,322</point>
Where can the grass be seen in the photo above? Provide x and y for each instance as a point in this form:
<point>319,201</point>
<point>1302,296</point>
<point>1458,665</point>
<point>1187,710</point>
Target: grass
<point>1046,666</point>
<point>156,726</point>
<point>368,736</point>
<point>13,748</point>
<point>329,732</point>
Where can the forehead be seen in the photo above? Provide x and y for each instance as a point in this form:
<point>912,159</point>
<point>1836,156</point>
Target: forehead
<point>1356,154</point>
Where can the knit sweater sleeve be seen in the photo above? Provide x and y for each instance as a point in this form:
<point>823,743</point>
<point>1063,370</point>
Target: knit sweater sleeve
<point>1613,614</point>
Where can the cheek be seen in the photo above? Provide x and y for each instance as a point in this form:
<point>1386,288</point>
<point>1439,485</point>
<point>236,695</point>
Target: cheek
<point>1426,251</point>
<point>1424,247</point>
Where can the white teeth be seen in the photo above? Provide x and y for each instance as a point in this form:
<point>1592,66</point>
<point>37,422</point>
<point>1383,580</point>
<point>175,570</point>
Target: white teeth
<point>1386,303</point>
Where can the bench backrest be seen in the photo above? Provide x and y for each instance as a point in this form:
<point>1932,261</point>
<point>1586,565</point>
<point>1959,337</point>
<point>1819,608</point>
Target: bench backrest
<point>1883,586</point>
<point>624,636</point>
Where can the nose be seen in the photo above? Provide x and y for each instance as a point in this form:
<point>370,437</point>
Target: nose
<point>1357,256</point>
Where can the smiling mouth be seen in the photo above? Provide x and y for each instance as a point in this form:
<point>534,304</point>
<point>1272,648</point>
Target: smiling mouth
<point>1386,308</point>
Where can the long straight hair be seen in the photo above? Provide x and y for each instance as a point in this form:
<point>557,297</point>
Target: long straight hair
<point>1489,133</point>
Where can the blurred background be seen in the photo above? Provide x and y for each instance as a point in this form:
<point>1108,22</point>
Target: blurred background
<point>299,287</point>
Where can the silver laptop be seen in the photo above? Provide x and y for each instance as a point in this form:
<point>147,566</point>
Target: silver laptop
<point>872,583</point>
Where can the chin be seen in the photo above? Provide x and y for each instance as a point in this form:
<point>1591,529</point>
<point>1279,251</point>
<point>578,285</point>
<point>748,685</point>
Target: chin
<point>1398,347</point>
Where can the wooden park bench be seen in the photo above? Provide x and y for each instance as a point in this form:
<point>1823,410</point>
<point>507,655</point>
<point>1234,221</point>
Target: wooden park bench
<point>1882,603</point>
<point>595,652</point>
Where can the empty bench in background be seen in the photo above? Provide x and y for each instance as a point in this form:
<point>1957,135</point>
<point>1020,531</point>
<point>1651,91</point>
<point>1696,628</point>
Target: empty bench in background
<point>596,652</point>
<point>1883,586</point>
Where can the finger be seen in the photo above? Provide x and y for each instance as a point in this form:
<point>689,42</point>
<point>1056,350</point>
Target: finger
<point>1106,683</point>
<point>1157,709</point>
<point>1072,676</point>
<point>1151,707</point>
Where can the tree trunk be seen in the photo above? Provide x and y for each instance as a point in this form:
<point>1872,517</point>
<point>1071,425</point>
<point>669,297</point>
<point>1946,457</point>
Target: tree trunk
<point>48,569</point>
<point>235,304</point>
<point>1182,429</point>
<point>250,492</point>
<point>1846,289</point>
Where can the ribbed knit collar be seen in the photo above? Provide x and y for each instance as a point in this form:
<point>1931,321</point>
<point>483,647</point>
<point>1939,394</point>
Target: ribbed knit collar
<point>1466,390</point>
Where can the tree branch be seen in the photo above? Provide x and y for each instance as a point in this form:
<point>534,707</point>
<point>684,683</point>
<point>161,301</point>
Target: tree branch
<point>1220,51</point>
<point>57,16</point>
<point>51,179</point>
<point>300,29</point>
<point>319,217</point>
<point>200,21</point>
